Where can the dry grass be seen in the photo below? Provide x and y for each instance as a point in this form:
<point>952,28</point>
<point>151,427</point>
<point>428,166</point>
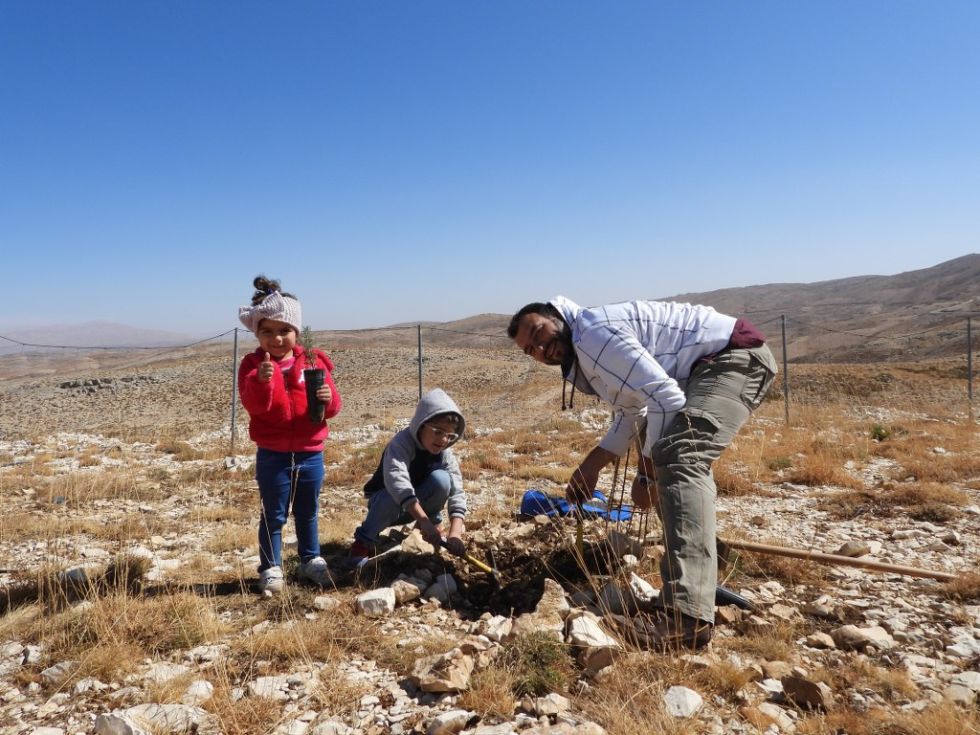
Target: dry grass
<point>787,570</point>
<point>723,678</point>
<point>630,698</point>
<point>112,635</point>
<point>857,672</point>
<point>352,468</point>
<point>966,588</point>
<point>245,715</point>
<point>926,501</point>
<point>939,719</point>
<point>776,643</point>
<point>538,664</point>
<point>491,692</point>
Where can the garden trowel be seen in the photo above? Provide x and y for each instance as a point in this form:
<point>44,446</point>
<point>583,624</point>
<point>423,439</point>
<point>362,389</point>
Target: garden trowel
<point>476,562</point>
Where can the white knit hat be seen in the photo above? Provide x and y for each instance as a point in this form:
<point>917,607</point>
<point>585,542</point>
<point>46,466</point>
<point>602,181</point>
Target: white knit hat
<point>274,306</point>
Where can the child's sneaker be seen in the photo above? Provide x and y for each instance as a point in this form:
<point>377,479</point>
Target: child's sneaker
<point>271,581</point>
<point>358,554</point>
<point>316,571</point>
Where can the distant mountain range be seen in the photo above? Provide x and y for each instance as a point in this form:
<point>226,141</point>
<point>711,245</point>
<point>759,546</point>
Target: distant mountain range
<point>85,334</point>
<point>910,316</point>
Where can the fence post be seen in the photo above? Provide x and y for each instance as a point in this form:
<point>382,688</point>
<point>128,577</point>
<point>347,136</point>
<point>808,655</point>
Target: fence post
<point>234,391</point>
<point>969,365</point>
<point>785,374</point>
<point>420,361</point>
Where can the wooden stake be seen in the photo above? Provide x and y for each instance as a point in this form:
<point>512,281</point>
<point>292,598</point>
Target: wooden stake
<point>848,561</point>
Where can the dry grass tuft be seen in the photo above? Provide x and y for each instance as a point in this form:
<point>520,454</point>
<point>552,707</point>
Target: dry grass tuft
<point>723,678</point>
<point>926,501</point>
<point>940,719</point>
<point>113,634</point>
<point>966,588</point>
<point>538,663</point>
<point>244,715</point>
<point>859,673</point>
<point>630,699</point>
<point>821,469</point>
<point>785,569</point>
<point>491,692</point>
<point>343,469</point>
<point>776,643</point>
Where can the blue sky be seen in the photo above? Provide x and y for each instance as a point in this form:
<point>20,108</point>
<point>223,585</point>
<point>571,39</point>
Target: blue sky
<point>402,161</point>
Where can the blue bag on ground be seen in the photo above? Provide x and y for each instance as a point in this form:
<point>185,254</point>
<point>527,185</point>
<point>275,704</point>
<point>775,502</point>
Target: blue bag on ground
<point>535,503</point>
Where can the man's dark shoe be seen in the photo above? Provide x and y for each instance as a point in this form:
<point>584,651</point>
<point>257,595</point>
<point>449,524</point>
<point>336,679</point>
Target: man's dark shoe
<point>667,631</point>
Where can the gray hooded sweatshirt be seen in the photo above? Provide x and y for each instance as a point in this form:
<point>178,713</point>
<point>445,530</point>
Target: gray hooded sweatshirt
<point>406,463</point>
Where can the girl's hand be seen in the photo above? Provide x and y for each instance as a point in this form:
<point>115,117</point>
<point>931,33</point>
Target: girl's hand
<point>324,394</point>
<point>266,369</point>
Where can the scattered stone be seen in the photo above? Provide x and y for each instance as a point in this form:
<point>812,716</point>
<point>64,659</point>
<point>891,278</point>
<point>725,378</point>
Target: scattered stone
<point>325,602</point>
<point>853,549</point>
<point>853,638</point>
<point>449,723</point>
<point>820,640</point>
<point>376,603</point>
<point>682,702</point>
<point>807,694</point>
<point>198,692</point>
<point>447,672</point>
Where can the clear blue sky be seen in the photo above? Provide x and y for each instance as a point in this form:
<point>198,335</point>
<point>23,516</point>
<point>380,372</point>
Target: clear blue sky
<point>402,161</point>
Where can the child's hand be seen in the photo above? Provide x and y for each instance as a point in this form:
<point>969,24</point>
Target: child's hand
<point>324,394</point>
<point>266,369</point>
<point>454,544</point>
<point>430,532</point>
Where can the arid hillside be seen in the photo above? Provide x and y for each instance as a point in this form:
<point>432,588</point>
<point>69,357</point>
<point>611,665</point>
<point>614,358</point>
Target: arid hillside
<point>128,561</point>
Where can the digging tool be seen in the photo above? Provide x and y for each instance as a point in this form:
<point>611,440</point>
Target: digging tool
<point>476,562</point>
<point>848,561</point>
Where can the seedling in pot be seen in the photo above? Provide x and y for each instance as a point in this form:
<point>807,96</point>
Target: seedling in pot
<point>312,376</point>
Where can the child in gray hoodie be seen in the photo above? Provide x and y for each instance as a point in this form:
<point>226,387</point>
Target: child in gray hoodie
<point>418,476</point>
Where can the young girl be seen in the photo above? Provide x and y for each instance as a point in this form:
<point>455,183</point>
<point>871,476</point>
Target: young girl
<point>289,461</point>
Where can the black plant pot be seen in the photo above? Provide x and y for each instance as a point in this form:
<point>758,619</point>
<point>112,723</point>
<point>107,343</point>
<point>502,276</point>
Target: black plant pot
<point>313,378</point>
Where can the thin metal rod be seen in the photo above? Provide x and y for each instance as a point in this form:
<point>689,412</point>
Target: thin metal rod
<point>847,561</point>
<point>969,364</point>
<point>785,376</point>
<point>420,361</point>
<point>234,393</point>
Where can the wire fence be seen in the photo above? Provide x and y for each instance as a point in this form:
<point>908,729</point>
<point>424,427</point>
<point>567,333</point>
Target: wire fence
<point>792,340</point>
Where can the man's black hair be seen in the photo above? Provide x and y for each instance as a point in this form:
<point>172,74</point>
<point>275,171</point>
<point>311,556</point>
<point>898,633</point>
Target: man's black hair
<point>544,309</point>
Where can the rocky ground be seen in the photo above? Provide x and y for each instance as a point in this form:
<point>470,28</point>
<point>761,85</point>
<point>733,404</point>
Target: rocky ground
<point>822,648</point>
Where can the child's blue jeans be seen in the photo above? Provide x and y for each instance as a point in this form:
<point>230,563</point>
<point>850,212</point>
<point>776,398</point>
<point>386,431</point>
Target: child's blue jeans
<point>384,512</point>
<point>288,478</point>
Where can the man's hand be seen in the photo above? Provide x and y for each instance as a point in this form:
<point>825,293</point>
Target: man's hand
<point>643,491</point>
<point>266,369</point>
<point>586,476</point>
<point>454,545</point>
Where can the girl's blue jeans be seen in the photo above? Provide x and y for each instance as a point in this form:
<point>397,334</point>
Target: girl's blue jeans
<point>384,512</point>
<point>288,478</point>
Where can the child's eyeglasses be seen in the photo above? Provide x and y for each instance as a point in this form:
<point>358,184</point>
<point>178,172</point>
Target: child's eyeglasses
<point>440,434</point>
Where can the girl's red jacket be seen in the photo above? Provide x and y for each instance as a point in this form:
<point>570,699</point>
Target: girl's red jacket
<point>277,409</point>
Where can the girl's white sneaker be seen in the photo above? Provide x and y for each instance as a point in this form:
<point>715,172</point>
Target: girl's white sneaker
<point>271,581</point>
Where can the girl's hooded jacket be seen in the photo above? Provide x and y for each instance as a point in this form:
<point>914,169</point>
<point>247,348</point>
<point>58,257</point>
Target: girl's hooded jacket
<point>278,417</point>
<point>405,463</point>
